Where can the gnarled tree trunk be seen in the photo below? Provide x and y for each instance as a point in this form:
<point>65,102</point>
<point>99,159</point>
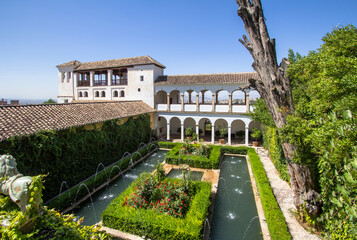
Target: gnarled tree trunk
<point>274,87</point>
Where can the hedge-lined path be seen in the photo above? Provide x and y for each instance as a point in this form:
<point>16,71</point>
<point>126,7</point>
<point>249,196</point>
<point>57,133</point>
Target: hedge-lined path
<point>284,196</point>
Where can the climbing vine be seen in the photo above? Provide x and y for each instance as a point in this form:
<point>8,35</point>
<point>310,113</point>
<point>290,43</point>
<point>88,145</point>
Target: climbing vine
<point>73,154</point>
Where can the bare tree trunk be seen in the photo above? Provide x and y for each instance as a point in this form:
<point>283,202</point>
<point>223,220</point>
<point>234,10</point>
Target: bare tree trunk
<point>274,87</point>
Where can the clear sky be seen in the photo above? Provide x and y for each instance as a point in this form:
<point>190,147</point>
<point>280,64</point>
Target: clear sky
<point>187,36</point>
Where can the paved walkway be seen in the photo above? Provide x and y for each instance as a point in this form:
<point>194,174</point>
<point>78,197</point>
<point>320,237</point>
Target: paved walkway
<point>284,196</point>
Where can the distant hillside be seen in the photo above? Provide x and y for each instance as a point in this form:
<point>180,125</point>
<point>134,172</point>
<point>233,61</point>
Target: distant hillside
<point>25,101</point>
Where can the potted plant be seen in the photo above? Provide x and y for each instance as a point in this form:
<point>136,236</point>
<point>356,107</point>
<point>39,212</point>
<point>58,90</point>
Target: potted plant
<point>189,132</point>
<point>256,135</point>
<point>222,131</point>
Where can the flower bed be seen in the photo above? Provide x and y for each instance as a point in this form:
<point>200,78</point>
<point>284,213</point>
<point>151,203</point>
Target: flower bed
<point>194,155</point>
<point>170,209</point>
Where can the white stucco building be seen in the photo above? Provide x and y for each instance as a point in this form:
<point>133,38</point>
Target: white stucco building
<point>204,102</point>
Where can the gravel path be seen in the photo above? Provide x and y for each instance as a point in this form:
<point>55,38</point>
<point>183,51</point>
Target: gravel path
<point>284,196</point>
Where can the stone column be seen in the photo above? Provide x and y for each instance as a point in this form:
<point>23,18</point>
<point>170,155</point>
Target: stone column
<point>203,97</point>
<point>189,97</point>
<point>213,102</point>
<point>229,135</point>
<point>182,133</point>
<point>91,78</point>
<point>212,134</point>
<point>246,135</point>
<point>168,131</point>
<point>198,132</point>
<point>168,102</point>
<point>230,103</point>
<point>182,102</point>
<point>197,102</point>
<point>247,101</point>
<point>110,73</point>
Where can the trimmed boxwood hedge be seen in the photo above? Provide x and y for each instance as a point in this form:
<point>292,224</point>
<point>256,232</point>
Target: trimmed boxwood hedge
<point>146,222</point>
<point>235,150</point>
<point>172,157</point>
<point>274,217</point>
<point>169,145</point>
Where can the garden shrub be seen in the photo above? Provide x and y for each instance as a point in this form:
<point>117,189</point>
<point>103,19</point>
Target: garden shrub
<point>234,150</point>
<point>272,143</point>
<point>49,224</point>
<point>174,157</point>
<point>73,155</point>
<point>274,217</point>
<point>169,145</point>
<point>155,225</point>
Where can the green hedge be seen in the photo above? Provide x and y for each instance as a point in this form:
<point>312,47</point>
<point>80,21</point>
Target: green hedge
<point>169,145</point>
<point>64,200</point>
<point>235,150</point>
<point>272,143</point>
<point>146,222</point>
<point>73,155</point>
<point>173,157</point>
<point>274,217</point>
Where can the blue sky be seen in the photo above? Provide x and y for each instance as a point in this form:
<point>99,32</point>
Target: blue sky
<point>187,36</point>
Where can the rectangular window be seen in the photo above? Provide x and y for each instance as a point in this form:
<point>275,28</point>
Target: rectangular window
<point>141,78</point>
<point>100,78</point>
<point>83,79</point>
<point>139,90</point>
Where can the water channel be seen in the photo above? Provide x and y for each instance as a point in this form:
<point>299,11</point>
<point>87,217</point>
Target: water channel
<point>235,215</point>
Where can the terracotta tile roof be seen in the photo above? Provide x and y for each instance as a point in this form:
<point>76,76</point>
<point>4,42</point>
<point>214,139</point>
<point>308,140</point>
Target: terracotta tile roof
<point>205,78</point>
<point>122,62</point>
<point>29,119</point>
<point>71,63</point>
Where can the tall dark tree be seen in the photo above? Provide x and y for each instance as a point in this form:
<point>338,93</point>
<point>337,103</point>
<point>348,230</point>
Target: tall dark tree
<point>274,87</point>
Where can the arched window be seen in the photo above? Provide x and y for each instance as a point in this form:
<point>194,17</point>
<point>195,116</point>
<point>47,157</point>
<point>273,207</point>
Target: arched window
<point>103,94</point>
<point>85,94</point>
<point>122,93</point>
<point>96,93</point>
<point>115,93</point>
<point>80,94</point>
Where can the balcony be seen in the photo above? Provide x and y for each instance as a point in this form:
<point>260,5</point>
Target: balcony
<point>207,108</point>
<point>120,82</point>
<point>83,83</point>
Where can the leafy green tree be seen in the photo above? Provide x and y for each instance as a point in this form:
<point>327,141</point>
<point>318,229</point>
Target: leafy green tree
<point>261,114</point>
<point>49,101</point>
<point>324,84</point>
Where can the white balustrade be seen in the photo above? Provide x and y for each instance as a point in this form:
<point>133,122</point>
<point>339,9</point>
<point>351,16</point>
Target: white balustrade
<point>222,108</point>
<point>239,108</point>
<point>175,107</point>
<point>161,107</point>
<point>190,108</point>
<point>206,108</point>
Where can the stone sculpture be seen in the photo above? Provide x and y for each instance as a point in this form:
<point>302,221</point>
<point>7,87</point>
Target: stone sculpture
<point>13,183</point>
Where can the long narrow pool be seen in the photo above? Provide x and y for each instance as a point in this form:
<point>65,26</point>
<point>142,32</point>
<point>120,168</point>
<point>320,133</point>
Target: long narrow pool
<point>235,215</point>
